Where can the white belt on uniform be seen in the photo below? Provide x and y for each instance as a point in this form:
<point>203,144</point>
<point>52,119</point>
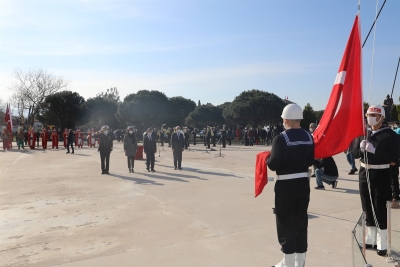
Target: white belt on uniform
<point>370,166</point>
<point>292,176</point>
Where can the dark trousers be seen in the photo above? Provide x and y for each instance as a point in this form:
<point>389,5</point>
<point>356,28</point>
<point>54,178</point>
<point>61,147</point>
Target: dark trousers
<point>208,142</point>
<point>229,141</point>
<point>205,141</point>
<point>223,142</point>
<point>380,181</point>
<point>105,160</point>
<point>213,141</point>
<point>194,140</point>
<point>131,162</point>
<point>72,147</point>
<point>177,158</point>
<point>150,158</point>
<point>291,217</point>
<point>395,181</point>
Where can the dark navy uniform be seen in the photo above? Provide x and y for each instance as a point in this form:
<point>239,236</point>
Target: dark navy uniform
<point>386,144</point>
<point>292,154</point>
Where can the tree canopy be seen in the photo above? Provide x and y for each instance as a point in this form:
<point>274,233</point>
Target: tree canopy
<point>63,109</point>
<point>255,107</point>
<point>205,115</point>
<point>144,108</point>
<point>309,116</point>
<point>100,111</point>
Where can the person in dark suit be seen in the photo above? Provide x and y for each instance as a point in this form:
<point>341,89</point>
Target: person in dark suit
<point>70,141</point>
<point>194,133</point>
<point>105,148</point>
<point>178,143</point>
<point>223,136</point>
<point>150,148</point>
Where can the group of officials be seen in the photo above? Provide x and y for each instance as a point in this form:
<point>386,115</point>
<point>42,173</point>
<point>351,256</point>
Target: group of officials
<point>291,156</point>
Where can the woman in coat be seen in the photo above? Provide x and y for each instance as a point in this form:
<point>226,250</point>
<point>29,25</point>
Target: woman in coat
<point>130,148</point>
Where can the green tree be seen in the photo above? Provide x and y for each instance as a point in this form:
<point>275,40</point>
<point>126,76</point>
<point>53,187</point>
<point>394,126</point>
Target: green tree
<point>144,108</point>
<point>180,108</point>
<point>101,111</point>
<point>318,115</point>
<point>398,112</point>
<point>205,115</point>
<point>308,116</point>
<point>64,109</point>
<point>395,112</point>
<point>366,106</point>
<point>255,107</point>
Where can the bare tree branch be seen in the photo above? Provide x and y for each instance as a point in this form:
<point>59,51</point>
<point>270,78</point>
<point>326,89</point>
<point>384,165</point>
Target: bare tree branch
<point>31,88</point>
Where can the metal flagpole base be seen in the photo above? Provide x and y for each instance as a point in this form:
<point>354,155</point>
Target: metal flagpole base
<point>206,151</point>
<point>219,154</point>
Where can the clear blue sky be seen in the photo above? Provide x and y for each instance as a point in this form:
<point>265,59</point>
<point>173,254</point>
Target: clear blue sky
<point>203,50</point>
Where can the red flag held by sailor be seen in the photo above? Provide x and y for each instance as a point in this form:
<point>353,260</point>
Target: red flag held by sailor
<point>343,116</point>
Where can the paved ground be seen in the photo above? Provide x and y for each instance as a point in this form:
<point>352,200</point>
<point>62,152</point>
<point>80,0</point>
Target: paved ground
<point>58,210</point>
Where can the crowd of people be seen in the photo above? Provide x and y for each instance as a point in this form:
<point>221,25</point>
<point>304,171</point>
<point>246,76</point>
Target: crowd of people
<point>292,155</point>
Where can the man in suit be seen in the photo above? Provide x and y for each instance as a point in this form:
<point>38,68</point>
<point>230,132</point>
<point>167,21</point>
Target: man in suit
<point>150,149</point>
<point>70,141</point>
<point>223,136</point>
<point>105,148</point>
<point>178,143</point>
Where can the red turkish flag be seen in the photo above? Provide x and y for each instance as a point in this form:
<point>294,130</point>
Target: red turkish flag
<point>343,116</point>
<point>261,174</point>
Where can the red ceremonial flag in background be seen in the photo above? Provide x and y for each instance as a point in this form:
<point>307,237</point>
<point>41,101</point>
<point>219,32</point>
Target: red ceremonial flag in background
<point>343,119</point>
<point>7,119</point>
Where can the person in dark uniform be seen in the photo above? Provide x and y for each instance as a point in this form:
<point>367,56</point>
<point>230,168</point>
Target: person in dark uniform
<point>291,154</point>
<point>377,153</point>
<point>263,135</point>
<point>275,131</point>
<point>194,133</point>
<point>208,136</point>
<point>213,136</point>
<point>70,141</point>
<point>150,149</point>
<point>229,136</point>
<point>223,136</point>
<point>169,134</point>
<point>187,137</point>
<point>178,143</point>
<point>105,148</point>
<point>37,138</point>
<point>161,136</point>
<point>246,137</point>
<point>205,136</point>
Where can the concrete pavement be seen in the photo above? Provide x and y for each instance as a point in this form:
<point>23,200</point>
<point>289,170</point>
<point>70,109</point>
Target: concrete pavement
<point>56,209</point>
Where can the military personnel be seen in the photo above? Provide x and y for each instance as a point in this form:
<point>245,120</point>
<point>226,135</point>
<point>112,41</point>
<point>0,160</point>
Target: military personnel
<point>229,136</point>
<point>187,137</point>
<point>291,154</point>
<point>213,136</point>
<point>377,153</point>
<point>169,134</point>
<point>205,136</point>
<point>208,137</point>
<point>194,133</point>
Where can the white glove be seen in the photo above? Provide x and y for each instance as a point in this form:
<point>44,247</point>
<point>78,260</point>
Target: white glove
<point>363,144</point>
<point>367,146</point>
<point>370,148</point>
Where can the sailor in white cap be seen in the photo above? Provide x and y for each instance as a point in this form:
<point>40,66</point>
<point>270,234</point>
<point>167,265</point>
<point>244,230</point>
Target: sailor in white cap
<point>291,154</point>
<point>377,153</point>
